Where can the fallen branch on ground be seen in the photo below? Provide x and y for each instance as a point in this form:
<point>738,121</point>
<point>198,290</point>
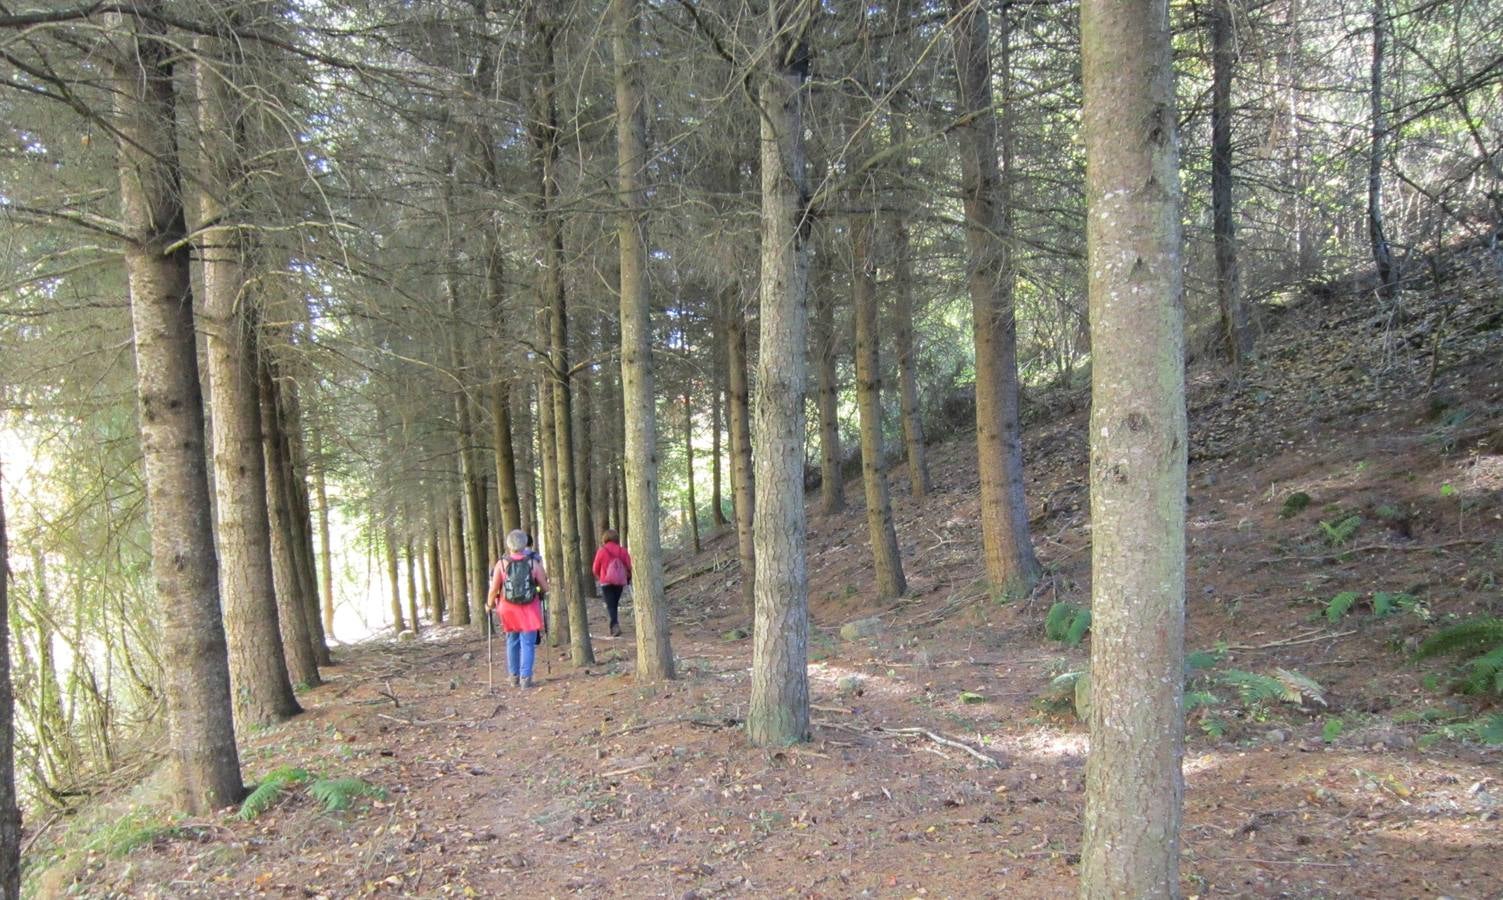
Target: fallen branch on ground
<point>626,771</point>
<point>958,745</point>
<point>1370,548</point>
<point>1307,638</point>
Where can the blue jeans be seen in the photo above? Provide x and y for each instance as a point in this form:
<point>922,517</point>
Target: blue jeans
<point>521,647</point>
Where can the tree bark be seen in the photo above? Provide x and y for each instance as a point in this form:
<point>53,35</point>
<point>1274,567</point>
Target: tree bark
<point>458,581</point>
<point>435,592</point>
<point>1011,566</point>
<point>1377,150</point>
<point>261,675</point>
<point>831,478</point>
<point>543,126</point>
<point>691,503</point>
<point>911,412</point>
<point>527,488</point>
<point>553,553</point>
<point>1134,785</point>
<point>649,604</point>
<point>742,484</point>
<point>201,733</point>
<point>291,418</point>
<point>585,411</point>
<point>506,463</point>
<point>326,558</point>
<point>779,711</point>
<point>393,579</point>
<point>1223,224</point>
<point>717,425</point>
<point>412,589</point>
<point>10,810</point>
<point>292,604</point>
<point>887,562</point>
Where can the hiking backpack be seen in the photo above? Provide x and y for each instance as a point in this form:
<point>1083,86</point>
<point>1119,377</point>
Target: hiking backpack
<point>519,586</point>
<point>615,572</point>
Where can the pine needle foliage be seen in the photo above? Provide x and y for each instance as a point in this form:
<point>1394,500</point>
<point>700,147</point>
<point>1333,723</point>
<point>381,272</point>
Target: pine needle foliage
<point>1481,636</point>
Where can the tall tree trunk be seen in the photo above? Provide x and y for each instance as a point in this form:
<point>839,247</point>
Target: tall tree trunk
<point>742,485</point>
<point>1134,785</point>
<point>691,502</point>
<point>291,418</point>
<point>458,581</point>
<point>201,731</point>
<point>10,810</point>
<point>393,579</point>
<point>1223,225</point>
<point>1376,231</point>
<point>1011,566</point>
<point>585,412</point>
<point>326,558</point>
<point>779,710</point>
<point>506,464</point>
<point>543,125</point>
<point>527,485</point>
<point>649,604</point>
<point>292,604</point>
<point>887,563</point>
<point>435,587</point>
<point>831,478</point>
<point>553,553</point>
<point>412,589</point>
<point>259,671</point>
<point>902,331</point>
<point>476,551</point>
<point>717,415</point>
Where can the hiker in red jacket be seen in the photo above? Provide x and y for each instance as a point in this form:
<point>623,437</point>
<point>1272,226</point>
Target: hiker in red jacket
<point>612,568</point>
<point>518,583</point>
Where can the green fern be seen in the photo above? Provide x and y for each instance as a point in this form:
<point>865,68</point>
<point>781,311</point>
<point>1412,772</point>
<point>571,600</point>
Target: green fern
<point>341,793</point>
<point>1483,637</point>
<point>1199,699</point>
<point>1201,660</point>
<point>1283,685</point>
<point>1337,533</point>
<point>1340,605</point>
<point>270,789</point>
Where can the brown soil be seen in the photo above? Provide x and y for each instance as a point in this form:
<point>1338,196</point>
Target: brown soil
<point>593,786</point>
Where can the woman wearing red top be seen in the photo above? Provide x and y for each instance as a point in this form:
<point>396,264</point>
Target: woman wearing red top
<point>612,568</point>
<point>521,617</point>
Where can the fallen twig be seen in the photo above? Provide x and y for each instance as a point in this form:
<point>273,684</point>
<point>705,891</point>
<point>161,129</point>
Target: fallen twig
<point>958,745</point>
<point>415,721</point>
<point>391,695</point>
<point>1307,638</point>
<point>1369,548</point>
<point>626,771</point>
<point>831,709</point>
<point>1282,862</point>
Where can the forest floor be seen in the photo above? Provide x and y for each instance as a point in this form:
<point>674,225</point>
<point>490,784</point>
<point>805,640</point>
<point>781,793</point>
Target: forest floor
<point>1362,784</point>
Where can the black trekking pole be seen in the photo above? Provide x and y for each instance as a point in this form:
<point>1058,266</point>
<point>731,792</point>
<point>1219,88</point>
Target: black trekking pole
<point>490,634</point>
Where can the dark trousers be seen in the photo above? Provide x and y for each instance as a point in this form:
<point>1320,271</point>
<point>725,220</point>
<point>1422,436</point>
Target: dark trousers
<point>612,595</point>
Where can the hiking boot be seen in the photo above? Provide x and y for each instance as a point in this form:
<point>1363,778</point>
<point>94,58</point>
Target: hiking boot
<point>615,630</point>
<point>525,681</point>
<point>516,680</point>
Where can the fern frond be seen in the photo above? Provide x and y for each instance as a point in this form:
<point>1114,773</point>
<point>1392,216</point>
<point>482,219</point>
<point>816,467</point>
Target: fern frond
<point>270,789</point>
<point>1252,687</point>
<point>341,793</point>
<point>1196,699</point>
<point>1340,605</point>
<point>1201,660</point>
<point>1463,637</point>
<point>1299,686</point>
<point>1057,622</point>
<point>1485,673</point>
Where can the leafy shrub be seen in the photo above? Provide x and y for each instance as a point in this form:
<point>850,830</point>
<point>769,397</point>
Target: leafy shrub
<point>1294,504</point>
<point>1067,623</point>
